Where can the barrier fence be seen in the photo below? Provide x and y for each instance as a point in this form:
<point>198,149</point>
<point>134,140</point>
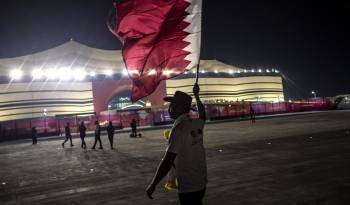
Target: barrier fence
<point>53,126</point>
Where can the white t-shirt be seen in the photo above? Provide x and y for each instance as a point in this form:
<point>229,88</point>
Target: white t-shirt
<point>186,141</point>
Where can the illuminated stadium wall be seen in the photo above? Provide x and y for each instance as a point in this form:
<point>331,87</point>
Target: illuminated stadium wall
<point>217,88</point>
<point>76,79</point>
<point>222,83</point>
<point>31,100</point>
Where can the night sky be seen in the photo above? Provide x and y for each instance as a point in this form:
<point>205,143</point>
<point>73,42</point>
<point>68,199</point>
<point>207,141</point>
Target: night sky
<point>307,41</point>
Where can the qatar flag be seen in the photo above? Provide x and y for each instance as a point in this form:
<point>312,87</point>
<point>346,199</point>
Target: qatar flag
<point>161,39</point>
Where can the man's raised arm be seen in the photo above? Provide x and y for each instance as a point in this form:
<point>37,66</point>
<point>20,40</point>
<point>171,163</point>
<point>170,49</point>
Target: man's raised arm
<point>200,106</point>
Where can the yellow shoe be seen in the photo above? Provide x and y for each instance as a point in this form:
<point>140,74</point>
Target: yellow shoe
<point>170,185</point>
<point>166,134</point>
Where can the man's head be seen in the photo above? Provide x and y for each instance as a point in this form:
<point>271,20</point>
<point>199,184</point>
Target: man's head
<point>180,103</point>
<point>96,122</point>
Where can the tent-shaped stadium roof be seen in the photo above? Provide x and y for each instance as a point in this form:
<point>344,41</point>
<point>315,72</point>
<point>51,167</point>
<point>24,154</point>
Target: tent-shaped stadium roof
<point>73,54</point>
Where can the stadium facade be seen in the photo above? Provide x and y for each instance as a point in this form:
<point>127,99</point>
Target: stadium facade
<point>74,79</point>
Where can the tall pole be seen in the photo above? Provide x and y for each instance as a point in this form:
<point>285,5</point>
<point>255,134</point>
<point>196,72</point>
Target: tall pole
<point>197,73</point>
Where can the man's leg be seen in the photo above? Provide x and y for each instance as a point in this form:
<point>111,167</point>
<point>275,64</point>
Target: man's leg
<point>71,142</point>
<point>112,142</point>
<point>110,138</point>
<point>193,198</point>
<point>84,144</point>
<point>93,147</point>
<point>64,141</point>
<point>99,140</point>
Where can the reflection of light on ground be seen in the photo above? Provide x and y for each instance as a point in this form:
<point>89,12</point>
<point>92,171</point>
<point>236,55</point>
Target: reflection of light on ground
<point>3,183</point>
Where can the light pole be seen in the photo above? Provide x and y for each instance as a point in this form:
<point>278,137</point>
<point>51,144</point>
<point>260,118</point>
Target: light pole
<point>314,93</point>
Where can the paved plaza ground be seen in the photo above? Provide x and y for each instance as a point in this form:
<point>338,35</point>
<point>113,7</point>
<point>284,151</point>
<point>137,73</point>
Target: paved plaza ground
<point>289,160</point>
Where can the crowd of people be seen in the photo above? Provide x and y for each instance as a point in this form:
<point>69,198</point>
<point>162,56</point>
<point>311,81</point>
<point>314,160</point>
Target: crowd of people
<point>97,134</point>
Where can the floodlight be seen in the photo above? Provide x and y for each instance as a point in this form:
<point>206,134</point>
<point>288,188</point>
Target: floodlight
<point>152,72</point>
<point>215,71</point>
<point>79,74</point>
<point>37,74</point>
<point>65,74</point>
<point>108,72</point>
<point>16,74</point>
<point>231,71</point>
<point>125,72</point>
<point>92,74</point>
<point>133,72</point>
<point>50,74</point>
<point>167,72</point>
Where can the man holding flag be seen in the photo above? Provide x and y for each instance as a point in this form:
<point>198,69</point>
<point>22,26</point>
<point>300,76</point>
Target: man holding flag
<point>161,39</point>
<point>185,150</point>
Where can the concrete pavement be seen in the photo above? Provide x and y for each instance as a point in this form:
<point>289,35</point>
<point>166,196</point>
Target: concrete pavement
<point>290,160</point>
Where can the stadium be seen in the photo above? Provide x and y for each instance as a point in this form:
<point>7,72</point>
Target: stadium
<point>74,79</point>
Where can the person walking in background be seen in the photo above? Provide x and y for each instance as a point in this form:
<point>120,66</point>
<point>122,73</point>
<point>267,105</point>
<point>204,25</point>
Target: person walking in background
<point>97,135</point>
<point>110,132</point>
<point>68,135</point>
<point>82,133</point>
<point>34,132</point>
<point>185,150</point>
<point>133,125</point>
<point>252,114</point>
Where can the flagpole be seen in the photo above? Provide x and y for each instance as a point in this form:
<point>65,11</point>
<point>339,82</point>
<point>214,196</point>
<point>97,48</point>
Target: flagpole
<point>197,73</point>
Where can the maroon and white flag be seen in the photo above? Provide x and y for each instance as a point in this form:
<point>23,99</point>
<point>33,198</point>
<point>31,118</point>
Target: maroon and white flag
<point>161,39</point>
